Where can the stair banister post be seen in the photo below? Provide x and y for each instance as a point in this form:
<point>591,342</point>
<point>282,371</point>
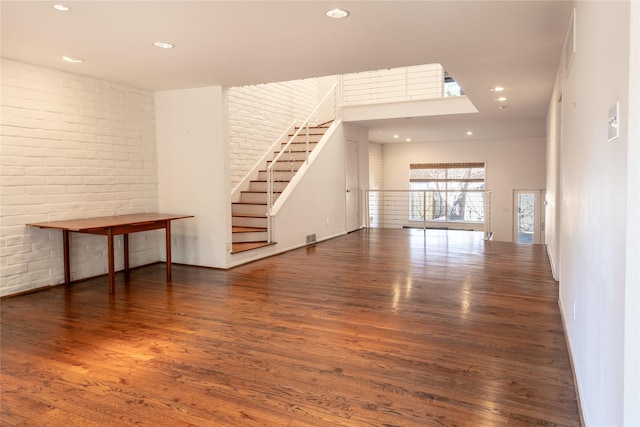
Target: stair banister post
<point>269,200</point>
<point>367,208</point>
<point>424,210</point>
<point>306,157</point>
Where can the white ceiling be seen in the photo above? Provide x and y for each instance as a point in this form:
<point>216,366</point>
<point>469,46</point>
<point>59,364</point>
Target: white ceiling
<point>515,44</point>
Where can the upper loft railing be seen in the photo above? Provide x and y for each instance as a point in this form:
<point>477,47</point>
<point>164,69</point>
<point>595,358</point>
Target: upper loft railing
<point>287,162</point>
<point>419,82</point>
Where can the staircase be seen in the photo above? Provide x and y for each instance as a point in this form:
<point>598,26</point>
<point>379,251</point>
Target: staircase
<point>249,215</point>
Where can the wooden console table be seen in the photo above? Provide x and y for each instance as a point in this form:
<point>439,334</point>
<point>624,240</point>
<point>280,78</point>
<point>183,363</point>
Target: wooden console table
<point>112,226</point>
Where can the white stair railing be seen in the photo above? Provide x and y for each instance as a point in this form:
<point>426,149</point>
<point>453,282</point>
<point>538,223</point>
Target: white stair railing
<point>287,162</point>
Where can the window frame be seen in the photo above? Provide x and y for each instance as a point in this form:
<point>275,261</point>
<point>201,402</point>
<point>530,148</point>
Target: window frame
<point>447,204</point>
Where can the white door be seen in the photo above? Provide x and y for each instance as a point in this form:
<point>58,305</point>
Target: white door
<point>353,185</point>
<point>528,218</point>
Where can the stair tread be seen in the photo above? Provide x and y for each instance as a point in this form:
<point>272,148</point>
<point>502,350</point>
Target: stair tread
<point>249,203</point>
<point>300,142</point>
<point>240,215</point>
<point>237,229</point>
<point>247,246</point>
<point>259,192</point>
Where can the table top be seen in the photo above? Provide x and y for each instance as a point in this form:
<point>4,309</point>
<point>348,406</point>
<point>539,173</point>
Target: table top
<point>85,224</point>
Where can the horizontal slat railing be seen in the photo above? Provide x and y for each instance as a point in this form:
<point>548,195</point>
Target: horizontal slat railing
<point>394,85</point>
<point>429,209</point>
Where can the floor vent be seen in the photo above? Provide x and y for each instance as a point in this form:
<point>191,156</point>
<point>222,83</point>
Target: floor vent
<point>311,238</point>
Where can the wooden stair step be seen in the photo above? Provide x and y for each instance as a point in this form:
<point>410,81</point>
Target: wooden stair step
<point>257,192</point>
<point>237,229</point>
<point>248,215</point>
<point>286,161</point>
<point>251,203</point>
<point>312,131</point>
<point>247,246</point>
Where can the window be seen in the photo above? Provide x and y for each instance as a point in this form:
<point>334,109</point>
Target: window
<point>447,192</point>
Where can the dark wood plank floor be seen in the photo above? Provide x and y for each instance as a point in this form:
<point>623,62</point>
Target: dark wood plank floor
<point>376,328</point>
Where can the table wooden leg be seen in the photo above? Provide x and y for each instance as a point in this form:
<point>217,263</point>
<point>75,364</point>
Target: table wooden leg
<point>112,274</point>
<point>67,263</point>
<point>168,238</point>
<point>126,254</point>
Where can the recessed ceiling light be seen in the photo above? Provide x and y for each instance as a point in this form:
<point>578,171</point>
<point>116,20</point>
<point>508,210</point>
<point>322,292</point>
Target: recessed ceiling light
<point>497,89</point>
<point>502,107</point>
<point>501,99</point>
<point>337,13</point>
<point>408,140</point>
<point>396,136</point>
<point>61,7</point>
<point>163,45</point>
<point>469,133</point>
<point>73,59</point>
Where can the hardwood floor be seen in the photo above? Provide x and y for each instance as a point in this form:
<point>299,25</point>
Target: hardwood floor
<point>376,328</point>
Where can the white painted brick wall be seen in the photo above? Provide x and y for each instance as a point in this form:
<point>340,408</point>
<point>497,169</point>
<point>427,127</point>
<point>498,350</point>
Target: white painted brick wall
<point>71,147</point>
<point>259,114</point>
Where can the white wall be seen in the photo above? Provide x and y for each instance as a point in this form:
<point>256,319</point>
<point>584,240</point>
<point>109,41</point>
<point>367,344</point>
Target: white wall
<point>553,202</point>
<point>593,231</point>
<point>632,293</point>
<point>192,172</point>
<point>72,147</point>
<point>510,164</point>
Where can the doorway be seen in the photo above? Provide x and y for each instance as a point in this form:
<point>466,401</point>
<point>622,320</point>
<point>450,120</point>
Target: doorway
<point>528,220</point>
<point>353,185</point>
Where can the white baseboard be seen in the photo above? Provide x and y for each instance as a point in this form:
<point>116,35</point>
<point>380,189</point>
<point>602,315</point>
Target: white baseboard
<point>576,381</point>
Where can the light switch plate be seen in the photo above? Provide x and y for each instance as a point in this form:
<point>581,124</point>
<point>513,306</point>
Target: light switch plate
<point>613,122</point>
